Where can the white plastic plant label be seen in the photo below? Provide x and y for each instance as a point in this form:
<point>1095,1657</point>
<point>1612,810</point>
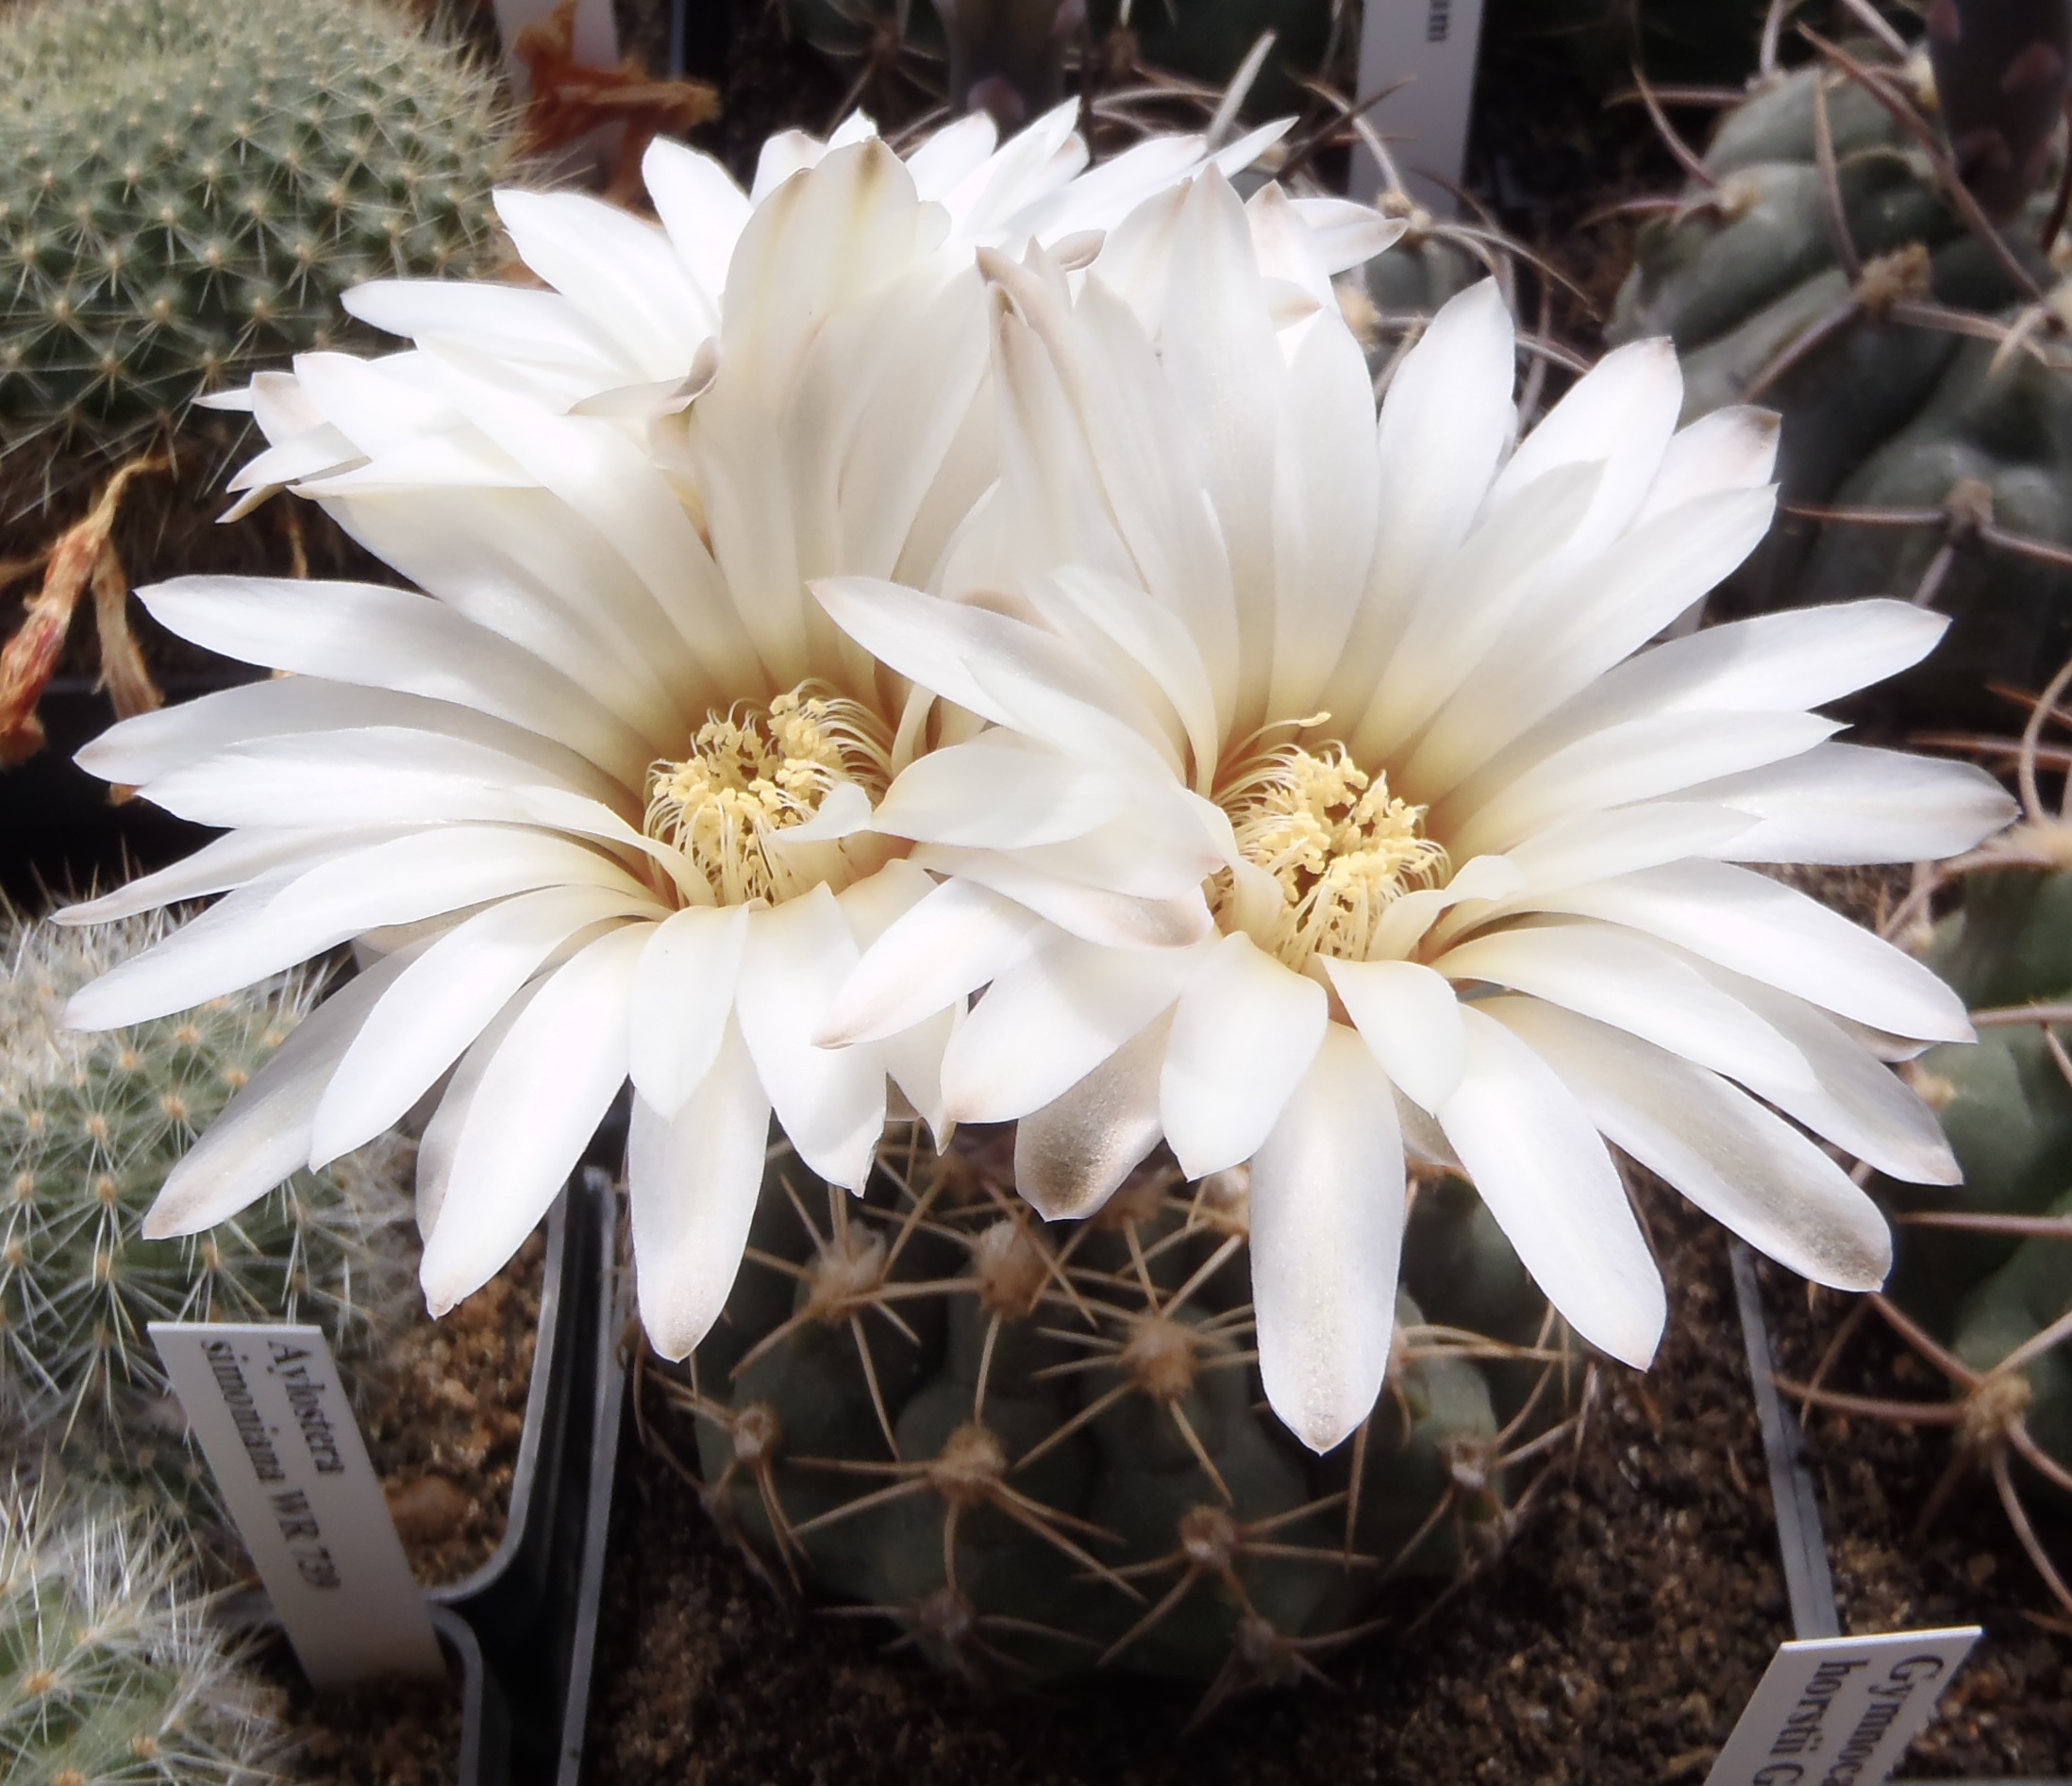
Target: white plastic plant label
<point>1425,49</point>
<point>1841,1711</point>
<point>277,1428</point>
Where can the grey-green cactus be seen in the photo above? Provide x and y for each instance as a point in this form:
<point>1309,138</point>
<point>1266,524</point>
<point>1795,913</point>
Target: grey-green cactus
<point>110,1673</point>
<point>1861,290</point>
<point>90,1124</point>
<point>1042,1449</point>
<point>185,187</point>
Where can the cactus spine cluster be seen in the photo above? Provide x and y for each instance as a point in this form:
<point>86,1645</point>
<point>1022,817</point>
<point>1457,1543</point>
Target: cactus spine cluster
<point>108,1671</point>
<point>1873,262</point>
<point>89,1126</point>
<point>1044,1449</point>
<point>185,187</point>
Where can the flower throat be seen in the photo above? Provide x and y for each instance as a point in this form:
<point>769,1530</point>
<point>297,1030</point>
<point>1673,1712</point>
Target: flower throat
<point>755,773</point>
<point>1341,848</point>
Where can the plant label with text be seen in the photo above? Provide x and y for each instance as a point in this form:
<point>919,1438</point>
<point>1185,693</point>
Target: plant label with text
<point>273,1420</point>
<point>1841,1711</point>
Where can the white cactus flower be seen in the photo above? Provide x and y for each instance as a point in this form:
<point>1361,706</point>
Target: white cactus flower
<point>600,795</point>
<point>1473,844</point>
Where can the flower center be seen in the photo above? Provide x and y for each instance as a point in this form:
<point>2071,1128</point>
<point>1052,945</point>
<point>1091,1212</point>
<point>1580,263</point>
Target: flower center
<point>1342,848</point>
<point>755,773</point>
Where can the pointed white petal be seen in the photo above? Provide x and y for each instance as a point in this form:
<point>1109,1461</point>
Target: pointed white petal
<point>539,1100</point>
<point>1759,928</point>
<point>434,1012</point>
<point>683,993</point>
<point>951,943</point>
<point>391,639</point>
<point>701,207</point>
<point>1536,1160</point>
<point>1730,1155</point>
<point>1327,1212</point>
<point>262,1135</point>
<point>1244,1034</point>
<point>1117,920</point>
<point>1411,1020</point>
<point>1636,985</point>
<point>1072,1155</point>
<point>693,1182</point>
<point>997,791</point>
<point>831,1101</point>
<point>1046,1025</point>
<point>1843,804</point>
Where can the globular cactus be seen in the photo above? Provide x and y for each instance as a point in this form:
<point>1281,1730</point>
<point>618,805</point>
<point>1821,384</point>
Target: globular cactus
<point>110,1673</point>
<point>90,1124</point>
<point>1982,1285</point>
<point>1042,1449</point>
<point>1838,257</point>
<point>185,187</point>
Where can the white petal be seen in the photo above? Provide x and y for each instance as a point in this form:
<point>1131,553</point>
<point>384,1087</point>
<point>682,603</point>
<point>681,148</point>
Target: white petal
<point>1735,448</point>
<point>683,995</point>
<point>435,1010</point>
<point>1730,1155</point>
<point>701,207</point>
<point>222,863</point>
<point>997,791</point>
<point>948,944</point>
<point>539,1100</point>
<point>1411,1020</point>
<point>1327,1213</point>
<point>1536,1160</point>
<point>1843,804</point>
<point>1855,1101</point>
<point>391,639</point>
<point>693,1182</point>
<point>1759,928</point>
<point>618,271</point>
<point>1244,1034</point>
<point>262,1135</point>
<point>831,1101</point>
<point>1071,1156</point>
<point>1634,984</point>
<point>1117,920</point>
<point>1643,759</point>
<point>274,923</point>
<point>1046,1025</point>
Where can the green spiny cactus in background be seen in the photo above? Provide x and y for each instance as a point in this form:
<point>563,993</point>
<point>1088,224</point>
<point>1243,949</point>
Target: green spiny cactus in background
<point>1915,349</point>
<point>1982,1286</point>
<point>185,187</point>
<point>89,1126</point>
<point>1042,1449</point>
<point>110,1673</point>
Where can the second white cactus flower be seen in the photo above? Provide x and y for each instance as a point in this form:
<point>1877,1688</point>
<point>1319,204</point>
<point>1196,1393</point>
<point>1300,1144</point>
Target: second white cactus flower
<point>1370,702</point>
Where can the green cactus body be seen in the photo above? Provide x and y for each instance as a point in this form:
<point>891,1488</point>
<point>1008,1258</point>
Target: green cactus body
<point>2005,1103</point>
<point>1042,1449</point>
<point>185,187</point>
<point>2024,1299</point>
<point>1883,407</point>
<point>89,1126</point>
<point>110,1673</point>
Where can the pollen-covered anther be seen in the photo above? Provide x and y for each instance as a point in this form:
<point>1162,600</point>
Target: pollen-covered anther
<point>1340,847</point>
<point>755,773</point>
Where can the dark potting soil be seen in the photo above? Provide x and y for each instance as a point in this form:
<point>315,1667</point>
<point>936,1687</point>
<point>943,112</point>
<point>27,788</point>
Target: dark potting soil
<point>389,1733</point>
<point>444,1420</point>
<point>1615,1643</point>
<point>2010,1711</point>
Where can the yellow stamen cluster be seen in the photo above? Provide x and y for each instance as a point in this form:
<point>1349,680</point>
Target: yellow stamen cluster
<point>755,773</point>
<point>1341,847</point>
